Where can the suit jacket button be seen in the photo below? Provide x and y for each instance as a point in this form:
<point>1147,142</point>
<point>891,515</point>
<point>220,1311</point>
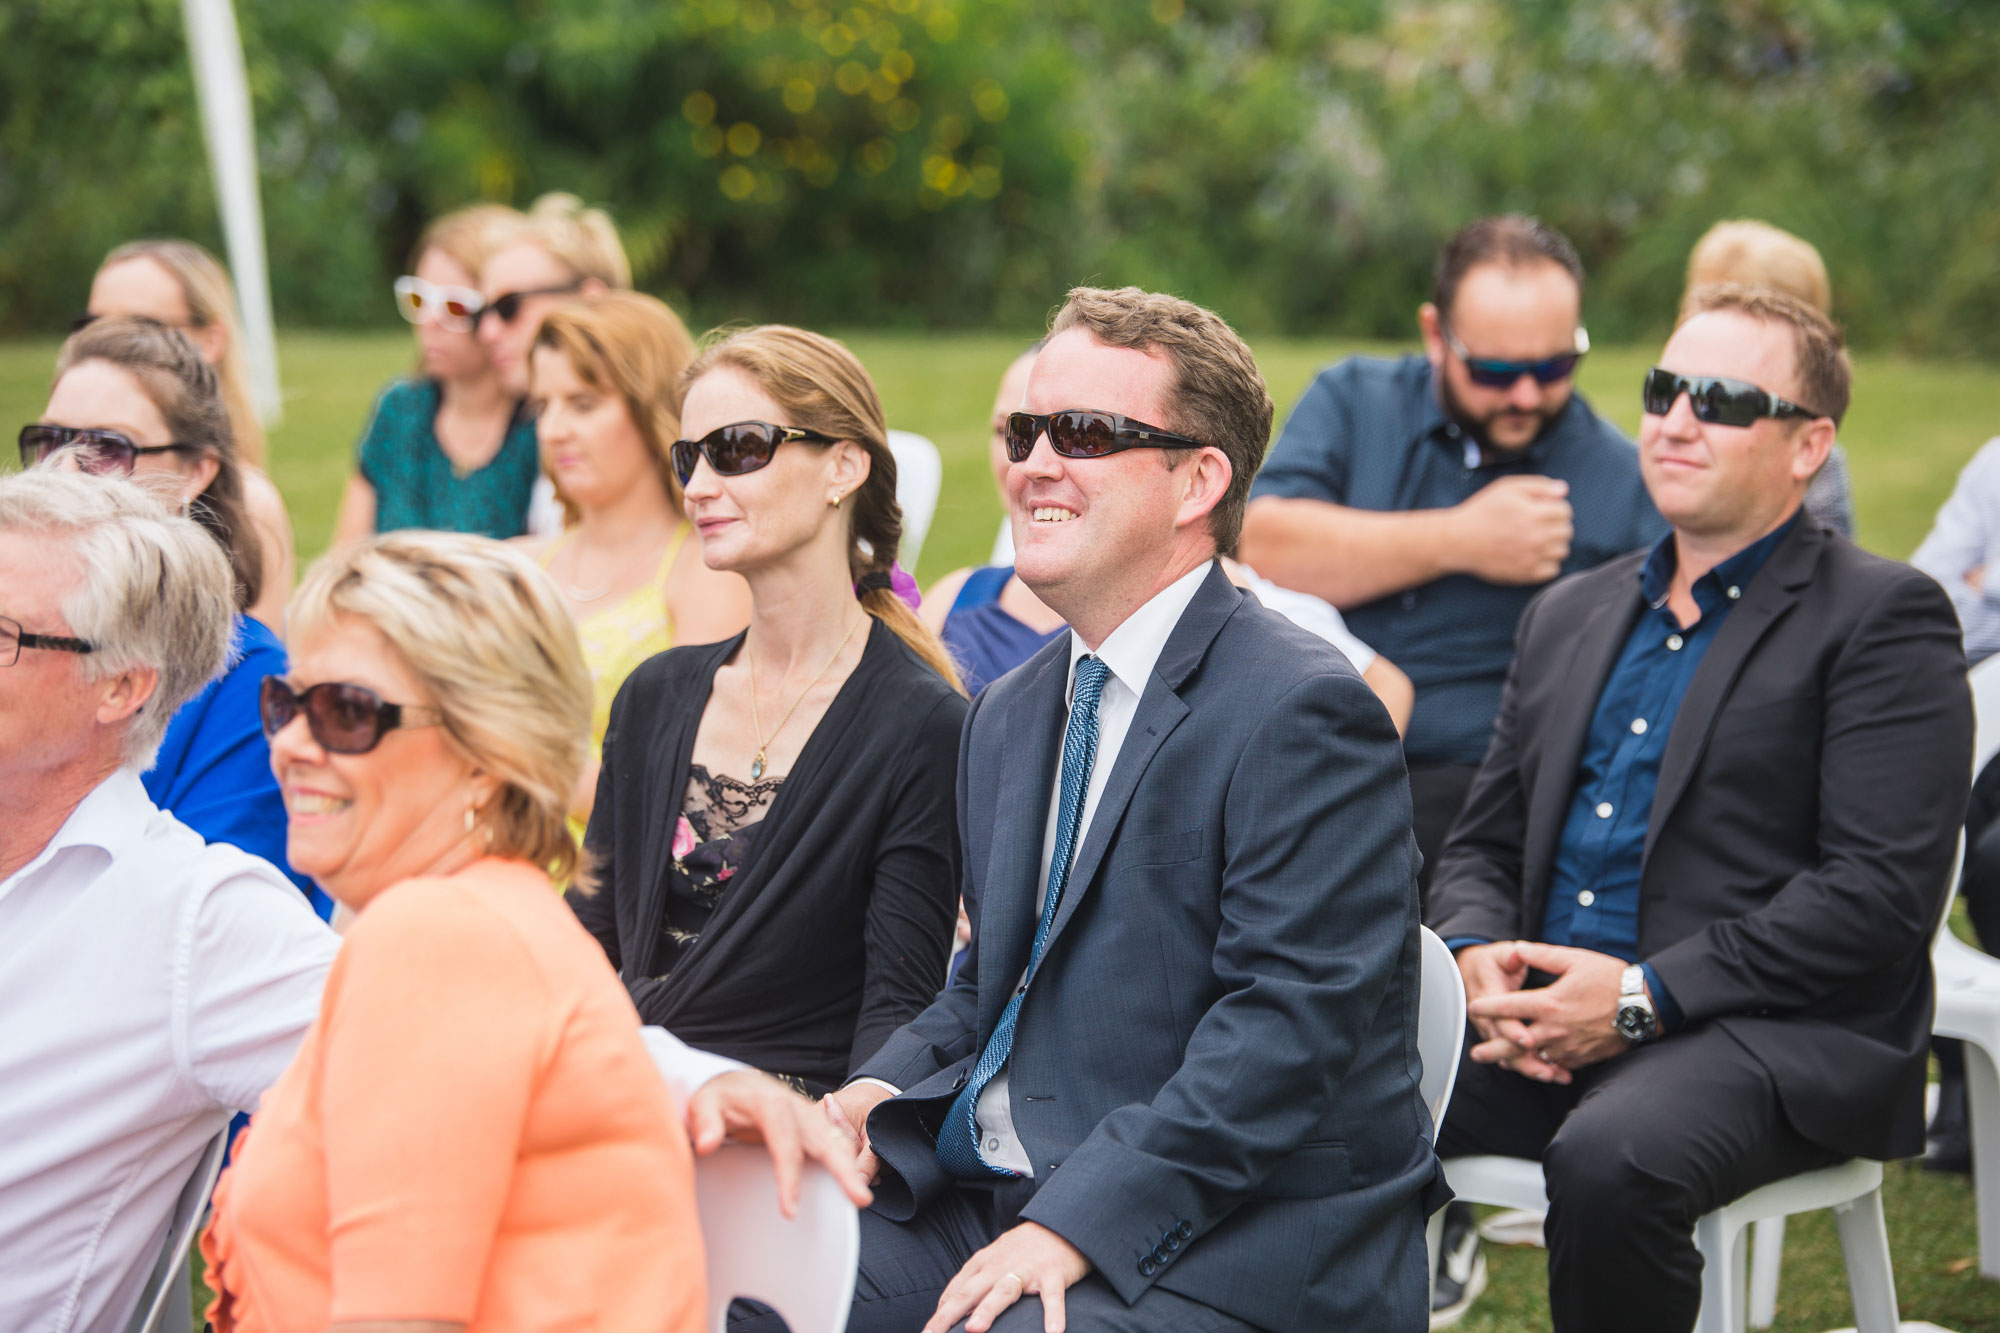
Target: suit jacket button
<point>1147,1267</point>
<point>1159,1254</point>
<point>1173,1243</point>
<point>1185,1230</point>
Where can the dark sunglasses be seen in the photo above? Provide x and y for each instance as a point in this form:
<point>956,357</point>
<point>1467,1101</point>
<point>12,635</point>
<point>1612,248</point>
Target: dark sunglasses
<point>13,639</point>
<point>1497,374</point>
<point>98,452</point>
<point>343,719</point>
<point>508,307</point>
<point>1082,433</point>
<point>740,447</point>
<point>1718,401</point>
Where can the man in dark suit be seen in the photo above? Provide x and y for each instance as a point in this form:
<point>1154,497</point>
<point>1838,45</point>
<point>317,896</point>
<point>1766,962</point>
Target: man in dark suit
<point>1175,1083</point>
<point>1694,884</point>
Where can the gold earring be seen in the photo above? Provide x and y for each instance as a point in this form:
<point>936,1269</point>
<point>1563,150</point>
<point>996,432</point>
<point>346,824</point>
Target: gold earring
<point>833,501</point>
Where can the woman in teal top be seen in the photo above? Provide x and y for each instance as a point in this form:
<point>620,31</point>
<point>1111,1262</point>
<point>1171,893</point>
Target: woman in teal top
<point>450,448</point>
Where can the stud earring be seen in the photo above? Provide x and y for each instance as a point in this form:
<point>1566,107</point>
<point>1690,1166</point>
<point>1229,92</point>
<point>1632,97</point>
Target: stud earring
<point>833,501</point>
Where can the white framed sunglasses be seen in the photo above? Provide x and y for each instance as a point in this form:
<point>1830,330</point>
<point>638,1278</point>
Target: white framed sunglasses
<point>453,308</point>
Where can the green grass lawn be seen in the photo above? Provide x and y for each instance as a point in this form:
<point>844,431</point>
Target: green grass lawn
<point>1914,424</point>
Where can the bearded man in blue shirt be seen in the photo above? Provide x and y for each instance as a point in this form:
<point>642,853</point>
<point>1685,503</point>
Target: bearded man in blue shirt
<point>1694,884</point>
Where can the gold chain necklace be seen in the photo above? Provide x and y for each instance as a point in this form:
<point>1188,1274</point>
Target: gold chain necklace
<point>757,723</point>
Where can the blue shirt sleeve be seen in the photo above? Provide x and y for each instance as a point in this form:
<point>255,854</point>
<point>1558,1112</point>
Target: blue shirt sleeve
<point>1663,999</point>
<point>1310,459</point>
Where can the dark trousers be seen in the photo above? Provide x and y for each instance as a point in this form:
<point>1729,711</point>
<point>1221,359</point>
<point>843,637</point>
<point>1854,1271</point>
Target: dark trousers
<point>1979,888</point>
<point>905,1267</point>
<point>1633,1151</point>
<point>1437,794</point>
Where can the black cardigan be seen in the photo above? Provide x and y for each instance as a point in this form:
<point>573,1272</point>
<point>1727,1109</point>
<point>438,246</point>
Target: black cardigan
<point>837,929</point>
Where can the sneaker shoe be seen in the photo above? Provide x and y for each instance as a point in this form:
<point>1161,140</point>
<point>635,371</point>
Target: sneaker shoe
<point>1461,1268</point>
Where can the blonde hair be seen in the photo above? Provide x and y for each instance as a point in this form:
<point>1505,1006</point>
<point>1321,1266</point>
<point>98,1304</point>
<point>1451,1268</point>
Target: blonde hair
<point>467,235</point>
<point>487,633</point>
<point>583,238</point>
<point>1757,254</point>
<point>635,346</point>
<point>211,301</point>
<point>152,589</point>
<point>823,387</point>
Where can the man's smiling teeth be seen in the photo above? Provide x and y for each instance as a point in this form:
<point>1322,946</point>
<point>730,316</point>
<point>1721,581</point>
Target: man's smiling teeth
<point>304,803</point>
<point>1053,514</point>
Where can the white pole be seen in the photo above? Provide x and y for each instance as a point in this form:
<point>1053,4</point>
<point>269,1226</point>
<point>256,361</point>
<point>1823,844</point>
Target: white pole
<point>217,53</point>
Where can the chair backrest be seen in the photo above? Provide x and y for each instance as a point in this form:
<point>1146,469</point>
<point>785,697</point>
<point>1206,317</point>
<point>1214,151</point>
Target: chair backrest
<point>919,480</point>
<point>1440,1024</point>
<point>1985,682</point>
<point>803,1268</point>
<point>152,1312</point>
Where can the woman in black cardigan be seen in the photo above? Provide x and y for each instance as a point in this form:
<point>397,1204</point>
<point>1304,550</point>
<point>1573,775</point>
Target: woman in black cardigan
<point>775,833</point>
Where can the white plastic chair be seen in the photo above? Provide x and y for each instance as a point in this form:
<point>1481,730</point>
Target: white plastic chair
<point>802,1268</point>
<point>1440,1038</point>
<point>166,1302</point>
<point>919,480</point>
<point>1853,1190</point>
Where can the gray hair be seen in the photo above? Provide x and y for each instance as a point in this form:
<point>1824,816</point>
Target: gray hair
<point>154,590</point>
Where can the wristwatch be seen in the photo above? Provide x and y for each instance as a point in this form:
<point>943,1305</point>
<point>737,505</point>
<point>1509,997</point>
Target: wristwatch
<point>1636,1022</point>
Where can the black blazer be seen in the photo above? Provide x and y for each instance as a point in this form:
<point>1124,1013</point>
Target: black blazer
<point>1215,1068</point>
<point>838,927</point>
<point>1808,805</point>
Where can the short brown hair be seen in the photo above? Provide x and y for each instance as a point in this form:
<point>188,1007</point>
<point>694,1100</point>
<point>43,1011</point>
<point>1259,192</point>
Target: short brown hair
<point>1217,394</point>
<point>1819,354</point>
<point>635,346</point>
<point>1757,254</point>
<point>1511,239</point>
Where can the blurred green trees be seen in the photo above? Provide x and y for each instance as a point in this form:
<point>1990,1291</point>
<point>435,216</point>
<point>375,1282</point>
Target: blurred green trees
<point>1293,163</point>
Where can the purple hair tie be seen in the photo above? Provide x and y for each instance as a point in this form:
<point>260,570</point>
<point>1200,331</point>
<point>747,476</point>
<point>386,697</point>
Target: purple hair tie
<point>897,580</point>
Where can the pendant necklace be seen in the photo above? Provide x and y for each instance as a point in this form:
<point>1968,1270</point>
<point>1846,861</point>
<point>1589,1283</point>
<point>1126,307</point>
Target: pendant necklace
<point>757,763</point>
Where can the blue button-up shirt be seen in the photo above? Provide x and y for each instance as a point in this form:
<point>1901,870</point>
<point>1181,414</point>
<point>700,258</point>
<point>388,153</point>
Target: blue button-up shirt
<point>1593,900</point>
<point>1369,434</point>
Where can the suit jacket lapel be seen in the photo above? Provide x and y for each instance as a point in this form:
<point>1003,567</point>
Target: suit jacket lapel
<point>1597,644</point>
<point>1160,711</point>
<point>1010,898</point>
<point>1771,593</point>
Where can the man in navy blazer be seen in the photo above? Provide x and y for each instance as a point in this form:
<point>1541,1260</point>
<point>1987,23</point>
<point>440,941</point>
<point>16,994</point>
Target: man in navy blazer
<point>1175,1083</point>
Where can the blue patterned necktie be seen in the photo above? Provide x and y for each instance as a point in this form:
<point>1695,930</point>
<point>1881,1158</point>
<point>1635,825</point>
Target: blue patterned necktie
<point>958,1143</point>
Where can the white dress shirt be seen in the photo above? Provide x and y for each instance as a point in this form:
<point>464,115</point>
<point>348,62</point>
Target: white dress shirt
<point>152,985</point>
<point>1130,652</point>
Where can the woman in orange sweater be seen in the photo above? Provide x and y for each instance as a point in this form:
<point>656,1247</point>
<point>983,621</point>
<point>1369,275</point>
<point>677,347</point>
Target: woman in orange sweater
<point>472,1136</point>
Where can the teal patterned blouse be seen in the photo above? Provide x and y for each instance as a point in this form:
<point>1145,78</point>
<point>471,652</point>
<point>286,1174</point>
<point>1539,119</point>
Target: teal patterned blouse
<point>417,486</point>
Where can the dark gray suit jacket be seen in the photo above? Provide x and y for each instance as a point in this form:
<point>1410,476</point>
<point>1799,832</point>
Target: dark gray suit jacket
<point>1215,1068</point>
<point>1808,805</point>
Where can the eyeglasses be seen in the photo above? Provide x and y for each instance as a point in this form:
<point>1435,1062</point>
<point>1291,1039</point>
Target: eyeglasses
<point>1718,401</point>
<point>1497,374</point>
<point>13,639</point>
<point>98,452</point>
<point>453,308</point>
<point>740,447</point>
<point>343,719</point>
<point>508,307</point>
<point>1082,433</point>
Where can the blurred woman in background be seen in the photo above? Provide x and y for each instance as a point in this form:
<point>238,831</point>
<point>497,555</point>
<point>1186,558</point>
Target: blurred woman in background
<point>183,286</point>
<point>136,398</point>
<point>472,1134</point>
<point>607,394</point>
<point>561,251</point>
<point>775,821</point>
<point>451,447</point>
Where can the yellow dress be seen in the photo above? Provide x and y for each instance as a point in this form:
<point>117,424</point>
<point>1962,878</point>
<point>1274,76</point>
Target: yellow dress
<point>618,638</point>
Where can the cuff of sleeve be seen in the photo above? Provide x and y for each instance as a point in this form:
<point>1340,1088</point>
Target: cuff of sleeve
<point>1663,999</point>
<point>684,1068</point>
<point>1457,942</point>
<point>883,1084</point>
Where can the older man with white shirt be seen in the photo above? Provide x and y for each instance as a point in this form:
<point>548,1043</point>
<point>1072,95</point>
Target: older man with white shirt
<point>154,984</point>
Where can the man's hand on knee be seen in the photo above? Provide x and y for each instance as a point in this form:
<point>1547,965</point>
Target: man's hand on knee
<point>1568,1024</point>
<point>1028,1259</point>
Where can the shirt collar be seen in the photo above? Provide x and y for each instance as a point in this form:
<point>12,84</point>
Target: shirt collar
<point>1133,649</point>
<point>1724,583</point>
<point>112,813</point>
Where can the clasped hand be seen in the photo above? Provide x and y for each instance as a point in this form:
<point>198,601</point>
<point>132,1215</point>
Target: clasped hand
<point>1546,1033</point>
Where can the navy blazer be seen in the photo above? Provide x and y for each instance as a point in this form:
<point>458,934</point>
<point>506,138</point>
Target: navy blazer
<point>1809,803</point>
<point>1215,1068</point>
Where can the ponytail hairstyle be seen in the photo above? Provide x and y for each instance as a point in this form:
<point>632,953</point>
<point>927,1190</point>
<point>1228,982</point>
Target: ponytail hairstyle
<point>583,238</point>
<point>823,387</point>
<point>211,301</point>
<point>185,389</point>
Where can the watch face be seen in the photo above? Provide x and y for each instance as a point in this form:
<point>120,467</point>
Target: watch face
<point>1634,1023</point>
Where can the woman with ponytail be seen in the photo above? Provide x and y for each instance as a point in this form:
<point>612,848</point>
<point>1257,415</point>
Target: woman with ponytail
<point>774,833</point>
